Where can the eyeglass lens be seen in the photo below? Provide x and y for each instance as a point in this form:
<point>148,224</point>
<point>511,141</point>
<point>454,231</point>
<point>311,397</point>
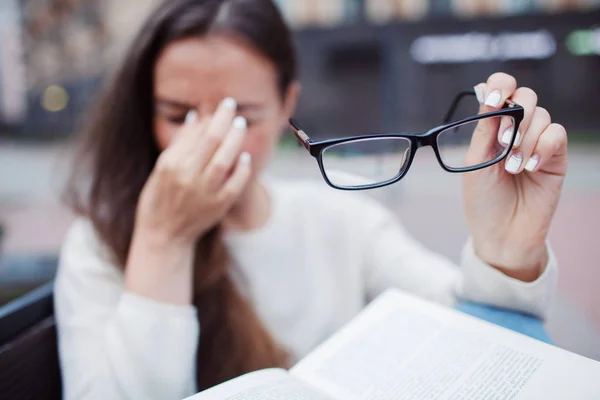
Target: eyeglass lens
<point>477,142</point>
<point>365,162</point>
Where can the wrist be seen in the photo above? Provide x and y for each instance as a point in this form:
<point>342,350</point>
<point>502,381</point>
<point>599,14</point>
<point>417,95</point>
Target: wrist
<point>524,264</point>
<point>161,239</point>
<point>160,267</point>
<point>159,231</point>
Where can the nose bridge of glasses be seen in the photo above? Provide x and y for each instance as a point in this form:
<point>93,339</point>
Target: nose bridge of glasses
<point>425,139</point>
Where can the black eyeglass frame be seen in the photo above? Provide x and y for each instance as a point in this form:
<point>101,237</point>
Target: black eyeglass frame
<point>417,140</point>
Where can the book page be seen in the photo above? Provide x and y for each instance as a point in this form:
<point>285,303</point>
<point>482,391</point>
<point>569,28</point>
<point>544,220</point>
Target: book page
<point>403,347</point>
<point>267,384</point>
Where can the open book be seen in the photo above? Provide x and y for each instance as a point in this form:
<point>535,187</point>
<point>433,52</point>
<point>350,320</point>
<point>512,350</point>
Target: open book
<point>403,347</point>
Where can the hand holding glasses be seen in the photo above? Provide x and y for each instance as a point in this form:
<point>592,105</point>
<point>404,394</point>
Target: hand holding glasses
<point>509,212</point>
<point>375,160</point>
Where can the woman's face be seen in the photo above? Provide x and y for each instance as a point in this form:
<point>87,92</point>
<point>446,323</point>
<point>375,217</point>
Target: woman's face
<point>198,73</point>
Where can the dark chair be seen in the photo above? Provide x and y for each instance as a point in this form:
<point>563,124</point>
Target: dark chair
<point>29,366</point>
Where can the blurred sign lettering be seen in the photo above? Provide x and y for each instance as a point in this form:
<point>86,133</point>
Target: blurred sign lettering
<point>475,46</point>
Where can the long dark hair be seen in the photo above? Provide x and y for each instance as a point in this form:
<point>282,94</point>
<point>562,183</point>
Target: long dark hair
<point>119,152</point>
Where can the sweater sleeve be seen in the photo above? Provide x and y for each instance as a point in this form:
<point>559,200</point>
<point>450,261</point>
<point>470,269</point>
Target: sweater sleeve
<point>395,259</point>
<point>114,344</point>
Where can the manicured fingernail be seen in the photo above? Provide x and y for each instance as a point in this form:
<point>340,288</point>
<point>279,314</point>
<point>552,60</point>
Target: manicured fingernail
<point>507,137</point>
<point>479,94</point>
<point>493,99</point>
<point>245,158</point>
<point>240,123</point>
<point>230,103</point>
<point>532,163</point>
<point>190,116</point>
<point>514,163</point>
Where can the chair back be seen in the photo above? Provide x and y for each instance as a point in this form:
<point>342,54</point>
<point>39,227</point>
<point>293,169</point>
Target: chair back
<point>29,365</point>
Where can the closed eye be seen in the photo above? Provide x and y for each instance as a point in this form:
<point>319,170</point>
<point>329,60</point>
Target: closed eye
<point>252,121</point>
<point>175,119</point>
<point>173,111</point>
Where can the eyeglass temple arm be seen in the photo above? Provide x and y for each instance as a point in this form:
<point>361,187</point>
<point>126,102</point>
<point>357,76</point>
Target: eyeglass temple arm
<point>455,102</point>
<point>300,135</point>
<point>508,104</point>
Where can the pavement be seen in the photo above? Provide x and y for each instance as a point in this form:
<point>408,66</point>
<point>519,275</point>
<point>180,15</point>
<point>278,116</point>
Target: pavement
<point>428,200</point>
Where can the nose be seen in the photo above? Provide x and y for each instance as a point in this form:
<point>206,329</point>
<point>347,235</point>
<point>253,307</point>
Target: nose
<point>194,115</point>
<point>205,110</point>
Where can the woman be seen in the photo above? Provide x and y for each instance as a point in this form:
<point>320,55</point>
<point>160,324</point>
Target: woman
<point>187,267</point>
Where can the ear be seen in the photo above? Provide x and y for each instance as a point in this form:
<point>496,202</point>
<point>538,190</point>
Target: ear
<point>291,99</point>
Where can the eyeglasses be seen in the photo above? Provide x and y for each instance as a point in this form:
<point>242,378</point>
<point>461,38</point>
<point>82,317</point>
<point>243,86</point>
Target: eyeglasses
<point>371,161</point>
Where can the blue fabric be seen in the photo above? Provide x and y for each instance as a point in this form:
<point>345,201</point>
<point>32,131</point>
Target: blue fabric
<point>513,320</point>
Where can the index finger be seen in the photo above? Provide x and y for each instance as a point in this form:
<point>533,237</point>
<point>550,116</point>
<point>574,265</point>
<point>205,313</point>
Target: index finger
<point>188,134</point>
<point>219,126</point>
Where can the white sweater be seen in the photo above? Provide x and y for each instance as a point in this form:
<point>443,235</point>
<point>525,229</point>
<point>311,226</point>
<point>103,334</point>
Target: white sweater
<point>311,268</point>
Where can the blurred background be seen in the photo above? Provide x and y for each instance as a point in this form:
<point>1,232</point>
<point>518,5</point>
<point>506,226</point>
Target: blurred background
<point>366,66</point>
